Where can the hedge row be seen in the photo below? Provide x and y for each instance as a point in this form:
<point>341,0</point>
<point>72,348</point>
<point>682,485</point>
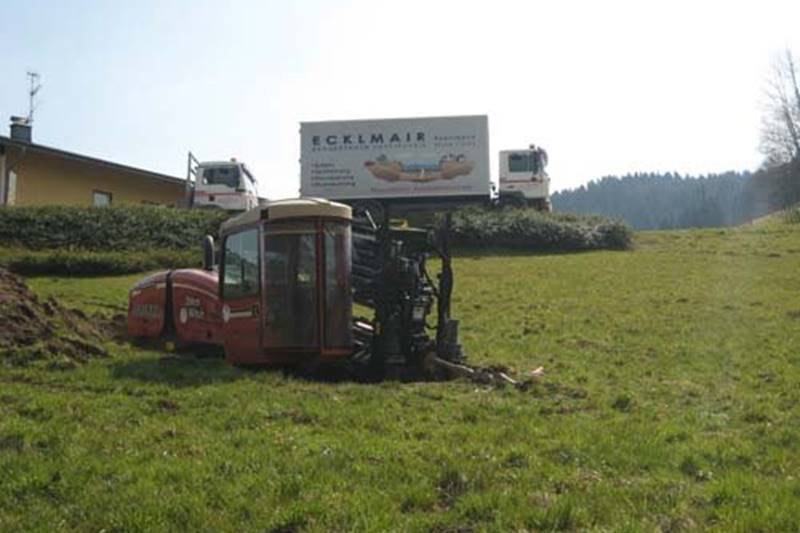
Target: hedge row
<point>83,263</point>
<point>105,229</point>
<point>528,229</point>
<point>126,239</point>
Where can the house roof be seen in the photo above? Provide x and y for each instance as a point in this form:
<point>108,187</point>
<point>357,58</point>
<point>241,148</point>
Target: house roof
<point>39,148</point>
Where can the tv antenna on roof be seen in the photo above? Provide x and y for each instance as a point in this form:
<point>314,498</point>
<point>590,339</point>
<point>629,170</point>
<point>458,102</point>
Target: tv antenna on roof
<point>34,86</point>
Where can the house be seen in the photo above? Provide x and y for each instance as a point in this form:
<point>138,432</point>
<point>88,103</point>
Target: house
<point>33,174</point>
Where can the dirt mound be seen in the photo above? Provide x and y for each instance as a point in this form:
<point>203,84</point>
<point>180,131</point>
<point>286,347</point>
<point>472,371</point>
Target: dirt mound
<point>34,329</point>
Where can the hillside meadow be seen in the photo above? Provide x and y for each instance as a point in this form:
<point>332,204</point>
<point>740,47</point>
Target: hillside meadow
<point>670,403</point>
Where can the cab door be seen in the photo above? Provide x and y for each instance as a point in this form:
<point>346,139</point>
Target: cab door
<point>291,291</point>
<point>241,296</point>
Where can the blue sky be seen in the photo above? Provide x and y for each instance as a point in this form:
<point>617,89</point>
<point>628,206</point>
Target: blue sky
<point>608,87</point>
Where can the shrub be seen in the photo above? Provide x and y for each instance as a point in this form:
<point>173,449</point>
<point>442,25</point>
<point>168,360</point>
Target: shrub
<point>521,228</point>
<point>105,229</point>
<point>83,263</point>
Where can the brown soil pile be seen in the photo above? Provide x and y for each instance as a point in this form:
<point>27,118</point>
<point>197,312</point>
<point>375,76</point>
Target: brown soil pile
<point>32,329</point>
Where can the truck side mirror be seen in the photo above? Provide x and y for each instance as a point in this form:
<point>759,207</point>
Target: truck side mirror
<point>208,253</point>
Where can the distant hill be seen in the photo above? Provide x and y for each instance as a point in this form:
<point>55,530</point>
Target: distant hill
<point>664,201</point>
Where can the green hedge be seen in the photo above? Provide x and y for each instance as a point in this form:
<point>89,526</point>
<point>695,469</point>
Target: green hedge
<point>83,263</point>
<point>106,229</point>
<point>69,240</point>
<point>528,229</point>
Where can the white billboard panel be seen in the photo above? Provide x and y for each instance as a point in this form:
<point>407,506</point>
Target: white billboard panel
<point>395,158</point>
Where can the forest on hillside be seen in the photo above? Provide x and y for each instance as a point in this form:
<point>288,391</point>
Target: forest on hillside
<point>663,201</point>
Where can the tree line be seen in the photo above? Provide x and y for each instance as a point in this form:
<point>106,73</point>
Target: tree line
<point>661,201</point>
<point>669,200</point>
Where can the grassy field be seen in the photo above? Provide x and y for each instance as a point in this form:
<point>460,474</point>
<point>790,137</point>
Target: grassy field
<point>670,403</point>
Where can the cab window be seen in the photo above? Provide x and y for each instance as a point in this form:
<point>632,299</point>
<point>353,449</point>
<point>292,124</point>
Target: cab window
<point>528,162</point>
<point>241,265</point>
<point>225,175</point>
<point>250,182</point>
<point>338,299</point>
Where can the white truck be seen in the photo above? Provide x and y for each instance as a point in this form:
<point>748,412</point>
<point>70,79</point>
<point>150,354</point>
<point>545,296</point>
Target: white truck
<point>523,178</point>
<point>227,185</point>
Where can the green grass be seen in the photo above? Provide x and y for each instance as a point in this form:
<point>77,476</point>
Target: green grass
<point>106,295</point>
<point>670,402</point>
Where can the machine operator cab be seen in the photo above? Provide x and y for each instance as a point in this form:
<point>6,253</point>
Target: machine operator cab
<point>285,283</point>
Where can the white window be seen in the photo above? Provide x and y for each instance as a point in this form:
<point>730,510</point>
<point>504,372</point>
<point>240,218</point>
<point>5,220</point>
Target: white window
<point>11,193</point>
<point>101,199</point>
<point>2,176</point>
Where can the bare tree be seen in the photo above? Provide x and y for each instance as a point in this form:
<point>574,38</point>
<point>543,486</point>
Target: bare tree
<point>780,126</point>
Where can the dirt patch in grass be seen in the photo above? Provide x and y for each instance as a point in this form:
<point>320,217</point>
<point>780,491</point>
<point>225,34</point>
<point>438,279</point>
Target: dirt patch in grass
<point>451,486</point>
<point>37,329</point>
<point>165,404</point>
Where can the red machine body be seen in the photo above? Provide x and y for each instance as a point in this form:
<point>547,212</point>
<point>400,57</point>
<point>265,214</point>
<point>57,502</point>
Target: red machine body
<point>181,302</point>
<point>281,293</point>
<point>196,307</point>
<point>147,304</point>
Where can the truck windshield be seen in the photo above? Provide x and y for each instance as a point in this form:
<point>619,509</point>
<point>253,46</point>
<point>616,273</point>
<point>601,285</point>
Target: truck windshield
<point>227,175</point>
<point>523,162</point>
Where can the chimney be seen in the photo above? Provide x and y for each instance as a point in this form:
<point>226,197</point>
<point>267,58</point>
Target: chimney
<point>21,129</point>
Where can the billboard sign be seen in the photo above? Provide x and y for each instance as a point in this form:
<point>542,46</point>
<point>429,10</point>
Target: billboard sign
<point>411,158</point>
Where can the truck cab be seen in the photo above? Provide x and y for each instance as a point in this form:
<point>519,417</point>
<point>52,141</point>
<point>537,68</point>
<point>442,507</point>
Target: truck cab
<point>227,185</point>
<point>523,178</point>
